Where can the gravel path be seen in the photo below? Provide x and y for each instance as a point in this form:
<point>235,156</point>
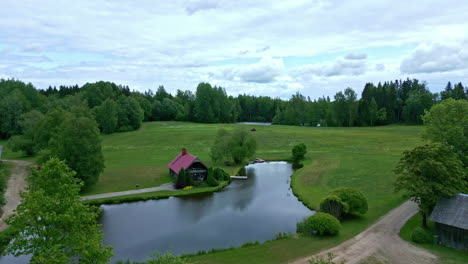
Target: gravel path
<point>16,184</point>
<point>164,187</point>
<point>381,242</point>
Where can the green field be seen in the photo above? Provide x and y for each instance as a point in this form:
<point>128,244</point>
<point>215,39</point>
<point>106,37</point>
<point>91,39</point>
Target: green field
<point>446,255</point>
<point>356,157</point>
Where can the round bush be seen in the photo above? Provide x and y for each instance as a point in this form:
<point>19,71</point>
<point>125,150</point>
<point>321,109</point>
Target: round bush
<point>355,199</point>
<point>421,235</point>
<point>333,205</point>
<point>321,224</point>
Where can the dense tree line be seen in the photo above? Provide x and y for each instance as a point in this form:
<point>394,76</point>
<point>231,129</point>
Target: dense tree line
<point>116,108</point>
<point>387,103</point>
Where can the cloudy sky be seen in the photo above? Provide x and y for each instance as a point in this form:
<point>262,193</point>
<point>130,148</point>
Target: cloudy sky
<point>272,48</point>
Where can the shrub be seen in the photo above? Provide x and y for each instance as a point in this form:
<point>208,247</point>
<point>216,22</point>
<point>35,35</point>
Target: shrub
<point>299,152</point>
<point>221,175</point>
<point>188,188</point>
<point>321,224</point>
<point>181,179</point>
<point>210,179</point>
<point>421,235</point>
<point>333,205</point>
<point>297,165</point>
<point>355,199</point>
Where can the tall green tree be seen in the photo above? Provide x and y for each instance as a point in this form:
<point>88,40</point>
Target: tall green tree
<point>107,116</point>
<point>130,115</point>
<point>79,145</point>
<point>56,227</point>
<point>429,173</point>
<point>447,123</point>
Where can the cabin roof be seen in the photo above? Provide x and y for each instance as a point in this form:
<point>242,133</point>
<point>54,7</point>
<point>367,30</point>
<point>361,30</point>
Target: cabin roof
<point>183,160</point>
<point>452,211</point>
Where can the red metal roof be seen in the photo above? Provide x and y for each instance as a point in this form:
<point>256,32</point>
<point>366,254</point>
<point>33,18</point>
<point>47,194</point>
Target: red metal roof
<point>183,160</point>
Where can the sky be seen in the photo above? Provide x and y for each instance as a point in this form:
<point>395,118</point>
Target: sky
<point>270,48</point>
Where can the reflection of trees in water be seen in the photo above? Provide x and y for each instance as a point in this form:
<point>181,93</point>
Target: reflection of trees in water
<point>245,191</point>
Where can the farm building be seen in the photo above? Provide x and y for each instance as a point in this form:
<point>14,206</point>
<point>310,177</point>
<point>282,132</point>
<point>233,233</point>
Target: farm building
<point>451,218</point>
<point>197,169</point>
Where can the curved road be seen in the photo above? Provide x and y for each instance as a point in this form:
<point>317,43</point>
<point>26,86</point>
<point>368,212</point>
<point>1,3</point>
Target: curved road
<point>16,184</point>
<point>381,242</point>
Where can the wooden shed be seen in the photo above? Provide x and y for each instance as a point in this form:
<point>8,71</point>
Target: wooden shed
<point>194,166</point>
<point>451,218</point>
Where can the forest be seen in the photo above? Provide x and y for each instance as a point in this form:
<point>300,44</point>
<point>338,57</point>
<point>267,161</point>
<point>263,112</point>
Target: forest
<point>115,108</point>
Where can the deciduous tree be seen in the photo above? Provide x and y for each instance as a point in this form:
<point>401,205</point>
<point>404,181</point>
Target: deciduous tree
<point>56,227</point>
<point>429,173</point>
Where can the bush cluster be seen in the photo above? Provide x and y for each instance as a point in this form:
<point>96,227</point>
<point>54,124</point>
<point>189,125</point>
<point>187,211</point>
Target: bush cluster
<point>421,235</point>
<point>333,205</point>
<point>355,199</point>
<point>183,179</point>
<point>319,223</point>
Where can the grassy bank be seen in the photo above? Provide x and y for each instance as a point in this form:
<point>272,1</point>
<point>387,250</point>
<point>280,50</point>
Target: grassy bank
<point>361,157</point>
<point>446,255</point>
<point>155,195</point>
<point>4,175</point>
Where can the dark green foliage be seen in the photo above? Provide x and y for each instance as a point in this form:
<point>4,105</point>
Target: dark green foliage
<point>320,224</point>
<point>188,179</point>
<point>429,173</point>
<point>181,180</point>
<point>210,179</point>
<point>333,205</point>
<point>297,165</point>
<point>130,115</point>
<point>53,220</point>
<point>79,145</point>
<point>4,174</point>
<point>355,199</point>
<point>221,175</point>
<point>107,116</point>
<point>238,146</point>
<point>447,123</point>
<point>421,235</point>
<point>298,152</point>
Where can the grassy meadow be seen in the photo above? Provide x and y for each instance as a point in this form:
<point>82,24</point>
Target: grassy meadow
<point>360,157</point>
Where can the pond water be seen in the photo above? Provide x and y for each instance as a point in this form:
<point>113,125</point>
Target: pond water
<point>245,211</point>
<point>255,123</point>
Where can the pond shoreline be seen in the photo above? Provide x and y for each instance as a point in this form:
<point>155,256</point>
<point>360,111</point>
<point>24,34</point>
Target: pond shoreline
<point>155,195</point>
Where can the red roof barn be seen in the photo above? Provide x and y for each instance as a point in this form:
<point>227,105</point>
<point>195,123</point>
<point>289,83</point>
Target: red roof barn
<point>194,166</point>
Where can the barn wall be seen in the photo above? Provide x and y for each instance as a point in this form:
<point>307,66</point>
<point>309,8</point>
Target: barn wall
<point>452,237</point>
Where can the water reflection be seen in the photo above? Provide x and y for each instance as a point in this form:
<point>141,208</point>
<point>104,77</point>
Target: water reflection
<point>247,210</point>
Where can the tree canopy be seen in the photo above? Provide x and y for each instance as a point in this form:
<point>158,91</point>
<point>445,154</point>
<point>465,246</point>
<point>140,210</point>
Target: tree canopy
<point>447,123</point>
<point>55,226</point>
<point>429,173</point>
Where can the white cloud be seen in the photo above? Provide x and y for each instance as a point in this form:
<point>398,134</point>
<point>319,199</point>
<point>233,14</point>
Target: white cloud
<point>436,57</point>
<point>356,56</point>
<point>243,45</point>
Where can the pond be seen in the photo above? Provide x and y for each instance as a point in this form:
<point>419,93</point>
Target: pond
<point>250,210</point>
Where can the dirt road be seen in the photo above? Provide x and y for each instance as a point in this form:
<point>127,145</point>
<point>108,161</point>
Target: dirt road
<point>381,242</point>
<point>16,184</point>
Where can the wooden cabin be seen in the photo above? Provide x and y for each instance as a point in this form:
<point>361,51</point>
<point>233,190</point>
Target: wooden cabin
<point>451,218</point>
<point>194,166</point>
